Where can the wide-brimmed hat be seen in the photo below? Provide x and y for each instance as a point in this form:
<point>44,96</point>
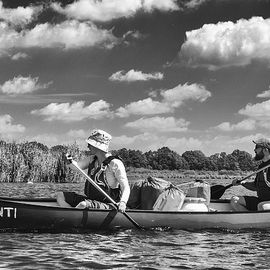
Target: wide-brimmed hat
<point>263,142</point>
<point>99,139</point>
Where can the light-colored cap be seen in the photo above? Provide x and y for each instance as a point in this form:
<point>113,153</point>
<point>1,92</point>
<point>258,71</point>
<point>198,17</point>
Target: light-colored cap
<point>99,139</point>
<point>263,142</point>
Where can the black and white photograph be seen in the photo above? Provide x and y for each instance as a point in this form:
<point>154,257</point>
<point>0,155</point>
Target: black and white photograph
<point>134,134</point>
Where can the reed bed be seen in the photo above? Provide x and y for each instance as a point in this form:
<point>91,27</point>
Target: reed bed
<point>28,162</point>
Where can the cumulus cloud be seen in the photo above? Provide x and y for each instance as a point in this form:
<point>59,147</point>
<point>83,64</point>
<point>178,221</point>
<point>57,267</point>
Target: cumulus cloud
<point>162,5</point>
<point>135,75</point>
<point>66,35</point>
<point>103,11</point>
<point>260,111</point>
<point>227,44</point>
<point>247,124</point>
<point>7,127</point>
<point>265,94</point>
<point>20,15</point>
<point>22,85</point>
<point>181,93</point>
<point>159,124</point>
<point>170,100</point>
<point>76,111</point>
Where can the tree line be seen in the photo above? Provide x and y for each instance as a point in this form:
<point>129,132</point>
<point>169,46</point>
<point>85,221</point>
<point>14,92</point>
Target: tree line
<point>33,161</point>
<point>166,159</point>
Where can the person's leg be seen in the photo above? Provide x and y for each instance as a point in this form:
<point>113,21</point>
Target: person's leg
<point>262,206</point>
<point>61,200</point>
<point>238,203</point>
<point>82,205</point>
<point>92,204</point>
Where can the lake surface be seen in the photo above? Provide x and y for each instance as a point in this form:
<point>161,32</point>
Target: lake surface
<point>129,249</point>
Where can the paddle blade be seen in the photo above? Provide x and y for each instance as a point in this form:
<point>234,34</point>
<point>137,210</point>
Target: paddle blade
<point>217,191</point>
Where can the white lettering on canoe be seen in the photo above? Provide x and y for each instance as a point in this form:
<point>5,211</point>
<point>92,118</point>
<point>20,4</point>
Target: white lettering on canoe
<point>9,212</point>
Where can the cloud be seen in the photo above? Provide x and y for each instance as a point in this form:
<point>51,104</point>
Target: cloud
<point>7,127</point>
<point>74,112</point>
<point>135,75</point>
<point>265,94</point>
<point>151,141</point>
<point>181,93</point>
<point>20,15</point>
<point>247,124</point>
<point>170,100</point>
<point>103,11</point>
<point>22,85</point>
<point>18,56</point>
<point>162,5</point>
<point>183,144</point>
<point>195,3</point>
<point>134,35</point>
<point>159,124</point>
<point>66,35</point>
<point>227,44</point>
<point>143,107</point>
<point>260,111</point>
<point>229,143</point>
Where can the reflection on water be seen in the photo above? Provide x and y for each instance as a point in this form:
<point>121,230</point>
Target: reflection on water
<point>128,249</point>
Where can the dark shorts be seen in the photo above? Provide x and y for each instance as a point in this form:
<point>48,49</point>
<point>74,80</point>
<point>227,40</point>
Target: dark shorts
<point>74,199</point>
<point>252,202</point>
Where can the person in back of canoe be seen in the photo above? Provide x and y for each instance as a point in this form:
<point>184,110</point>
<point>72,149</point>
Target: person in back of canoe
<point>261,184</point>
<point>106,170</point>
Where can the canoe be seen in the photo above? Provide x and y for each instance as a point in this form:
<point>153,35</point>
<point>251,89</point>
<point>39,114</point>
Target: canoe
<point>45,214</point>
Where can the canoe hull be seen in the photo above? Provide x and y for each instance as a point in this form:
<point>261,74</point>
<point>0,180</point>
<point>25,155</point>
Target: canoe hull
<point>21,214</point>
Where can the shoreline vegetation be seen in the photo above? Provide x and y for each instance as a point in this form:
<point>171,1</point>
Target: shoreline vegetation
<point>35,162</point>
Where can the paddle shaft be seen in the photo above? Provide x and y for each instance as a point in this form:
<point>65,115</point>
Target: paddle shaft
<point>218,190</point>
<point>248,176</point>
<point>75,164</point>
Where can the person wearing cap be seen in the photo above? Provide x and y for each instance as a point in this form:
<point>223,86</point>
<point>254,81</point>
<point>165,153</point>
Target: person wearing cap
<point>106,170</point>
<point>261,184</point>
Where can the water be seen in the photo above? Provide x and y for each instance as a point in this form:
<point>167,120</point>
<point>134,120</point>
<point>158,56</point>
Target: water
<point>129,249</point>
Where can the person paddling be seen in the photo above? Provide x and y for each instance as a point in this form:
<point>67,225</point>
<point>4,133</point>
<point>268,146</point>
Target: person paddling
<point>261,184</point>
<point>106,170</point>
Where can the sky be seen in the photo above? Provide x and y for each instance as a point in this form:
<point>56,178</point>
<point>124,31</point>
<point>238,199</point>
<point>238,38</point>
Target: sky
<point>188,75</point>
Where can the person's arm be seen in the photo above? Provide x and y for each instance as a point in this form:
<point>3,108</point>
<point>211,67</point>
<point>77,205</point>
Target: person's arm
<point>249,185</point>
<point>83,163</point>
<point>121,176</point>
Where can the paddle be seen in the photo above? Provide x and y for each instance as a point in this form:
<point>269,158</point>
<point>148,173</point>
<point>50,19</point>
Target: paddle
<point>218,190</point>
<point>75,164</point>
